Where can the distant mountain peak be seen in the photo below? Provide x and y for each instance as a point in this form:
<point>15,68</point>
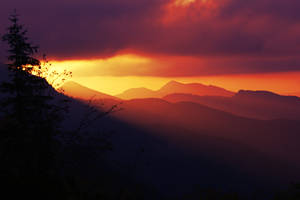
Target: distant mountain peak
<point>264,95</point>
<point>74,89</point>
<point>193,88</point>
<point>172,82</point>
<point>71,83</point>
<point>257,92</point>
<point>135,93</point>
<point>176,87</point>
<point>140,89</point>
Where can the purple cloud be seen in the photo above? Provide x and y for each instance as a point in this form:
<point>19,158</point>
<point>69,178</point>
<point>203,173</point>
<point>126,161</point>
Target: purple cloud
<point>264,32</point>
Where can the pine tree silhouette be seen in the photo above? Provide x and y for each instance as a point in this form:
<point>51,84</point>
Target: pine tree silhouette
<point>31,119</point>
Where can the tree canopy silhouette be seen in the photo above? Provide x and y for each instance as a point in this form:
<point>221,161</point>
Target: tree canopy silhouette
<point>29,117</point>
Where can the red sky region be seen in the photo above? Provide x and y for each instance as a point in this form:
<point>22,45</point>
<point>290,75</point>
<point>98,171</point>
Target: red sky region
<point>172,38</point>
<point>119,73</point>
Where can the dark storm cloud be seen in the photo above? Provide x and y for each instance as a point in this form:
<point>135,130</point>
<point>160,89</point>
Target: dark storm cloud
<point>80,28</point>
<point>260,29</point>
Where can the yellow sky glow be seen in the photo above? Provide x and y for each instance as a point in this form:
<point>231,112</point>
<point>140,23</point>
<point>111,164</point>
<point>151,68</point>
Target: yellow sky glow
<point>116,65</point>
<point>272,82</point>
<point>109,76</point>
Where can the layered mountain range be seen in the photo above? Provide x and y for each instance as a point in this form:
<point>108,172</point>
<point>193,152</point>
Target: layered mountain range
<point>263,105</point>
<point>175,87</point>
<point>186,137</point>
<point>238,141</point>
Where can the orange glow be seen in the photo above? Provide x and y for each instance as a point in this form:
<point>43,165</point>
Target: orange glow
<point>114,85</point>
<point>286,83</point>
<point>117,65</point>
<point>282,83</point>
<point>117,74</point>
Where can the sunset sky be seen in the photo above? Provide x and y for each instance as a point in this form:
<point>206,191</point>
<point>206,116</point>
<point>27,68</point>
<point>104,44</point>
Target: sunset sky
<point>113,45</point>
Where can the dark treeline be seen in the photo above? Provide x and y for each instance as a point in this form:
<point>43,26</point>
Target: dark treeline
<point>29,121</point>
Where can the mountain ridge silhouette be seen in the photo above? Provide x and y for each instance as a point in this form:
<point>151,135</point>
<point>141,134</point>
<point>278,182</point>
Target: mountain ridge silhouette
<point>175,87</point>
<point>76,90</point>
<point>253,104</point>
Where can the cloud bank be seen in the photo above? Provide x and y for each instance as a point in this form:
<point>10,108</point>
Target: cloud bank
<point>220,36</point>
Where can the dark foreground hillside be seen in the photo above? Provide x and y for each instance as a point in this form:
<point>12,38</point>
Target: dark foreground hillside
<point>154,149</point>
<point>170,150</point>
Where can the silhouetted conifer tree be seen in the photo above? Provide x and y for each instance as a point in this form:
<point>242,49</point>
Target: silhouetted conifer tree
<point>30,119</point>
